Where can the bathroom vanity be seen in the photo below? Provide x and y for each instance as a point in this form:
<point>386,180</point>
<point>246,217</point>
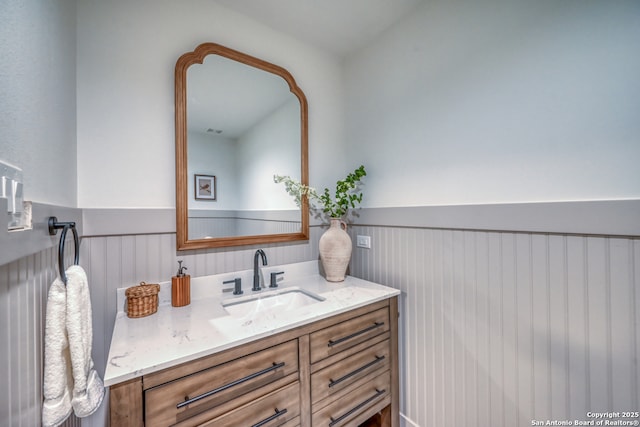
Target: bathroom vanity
<point>307,353</point>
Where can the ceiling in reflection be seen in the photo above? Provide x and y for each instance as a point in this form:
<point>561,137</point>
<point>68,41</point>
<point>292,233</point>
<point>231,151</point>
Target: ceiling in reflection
<point>231,97</point>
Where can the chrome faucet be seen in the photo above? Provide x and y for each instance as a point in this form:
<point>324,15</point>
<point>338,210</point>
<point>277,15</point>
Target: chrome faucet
<point>256,270</point>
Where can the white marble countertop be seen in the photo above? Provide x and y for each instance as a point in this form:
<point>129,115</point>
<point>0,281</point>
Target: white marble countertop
<point>176,335</point>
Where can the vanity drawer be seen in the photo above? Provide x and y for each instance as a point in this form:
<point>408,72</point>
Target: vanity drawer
<point>336,338</point>
<point>355,405</point>
<point>356,368</point>
<point>238,379</point>
<point>279,408</point>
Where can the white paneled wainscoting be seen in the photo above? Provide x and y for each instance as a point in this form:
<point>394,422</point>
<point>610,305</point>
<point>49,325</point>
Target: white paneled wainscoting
<point>498,328</point>
<point>24,285</point>
<point>509,328</point>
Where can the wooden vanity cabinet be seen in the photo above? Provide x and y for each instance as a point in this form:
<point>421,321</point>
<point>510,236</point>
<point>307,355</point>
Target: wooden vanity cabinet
<point>336,372</point>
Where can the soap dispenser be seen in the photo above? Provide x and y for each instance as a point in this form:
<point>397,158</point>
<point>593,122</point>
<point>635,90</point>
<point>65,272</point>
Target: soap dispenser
<point>180,287</point>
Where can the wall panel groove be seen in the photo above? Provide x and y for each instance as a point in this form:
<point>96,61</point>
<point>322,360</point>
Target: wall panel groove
<point>497,328</point>
<point>502,328</point>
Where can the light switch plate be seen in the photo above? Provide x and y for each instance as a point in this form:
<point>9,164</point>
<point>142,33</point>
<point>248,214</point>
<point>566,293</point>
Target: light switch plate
<point>363,242</point>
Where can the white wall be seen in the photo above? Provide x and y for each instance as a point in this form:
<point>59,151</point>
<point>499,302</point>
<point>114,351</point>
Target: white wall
<point>266,149</point>
<point>499,101</point>
<point>126,58</point>
<point>38,97</point>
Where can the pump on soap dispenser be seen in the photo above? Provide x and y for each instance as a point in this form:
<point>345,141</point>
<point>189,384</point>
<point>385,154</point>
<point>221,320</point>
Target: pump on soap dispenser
<point>180,287</point>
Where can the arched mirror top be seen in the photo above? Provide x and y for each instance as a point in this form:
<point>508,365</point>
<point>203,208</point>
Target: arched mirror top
<point>236,127</point>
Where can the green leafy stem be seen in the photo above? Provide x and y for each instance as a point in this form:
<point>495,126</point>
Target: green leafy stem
<point>346,196</point>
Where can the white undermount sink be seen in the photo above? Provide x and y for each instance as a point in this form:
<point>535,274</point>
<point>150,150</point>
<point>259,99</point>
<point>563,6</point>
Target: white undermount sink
<point>280,300</point>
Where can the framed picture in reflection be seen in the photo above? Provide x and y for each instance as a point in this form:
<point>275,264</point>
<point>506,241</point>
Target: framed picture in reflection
<point>205,187</point>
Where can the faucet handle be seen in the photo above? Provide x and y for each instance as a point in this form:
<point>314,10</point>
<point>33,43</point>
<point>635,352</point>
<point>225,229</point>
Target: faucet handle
<point>237,288</point>
<point>274,279</point>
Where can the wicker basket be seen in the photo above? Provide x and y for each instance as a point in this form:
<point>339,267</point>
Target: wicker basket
<point>142,300</point>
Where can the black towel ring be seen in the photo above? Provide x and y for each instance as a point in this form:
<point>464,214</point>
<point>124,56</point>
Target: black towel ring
<point>54,225</point>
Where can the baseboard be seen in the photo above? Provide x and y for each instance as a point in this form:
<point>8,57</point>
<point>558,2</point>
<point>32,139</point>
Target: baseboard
<point>406,421</point>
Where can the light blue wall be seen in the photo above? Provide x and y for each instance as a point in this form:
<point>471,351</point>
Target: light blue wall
<point>270,147</point>
<point>38,96</point>
<point>499,101</point>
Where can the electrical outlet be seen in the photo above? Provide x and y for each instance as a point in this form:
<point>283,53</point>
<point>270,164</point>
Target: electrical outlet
<point>363,242</point>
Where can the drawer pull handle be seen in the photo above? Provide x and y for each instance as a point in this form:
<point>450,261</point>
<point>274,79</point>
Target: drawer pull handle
<point>355,334</point>
<point>356,408</point>
<point>355,372</point>
<point>271,418</point>
<point>231,384</point>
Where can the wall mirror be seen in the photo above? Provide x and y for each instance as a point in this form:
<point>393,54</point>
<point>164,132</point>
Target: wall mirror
<point>239,121</point>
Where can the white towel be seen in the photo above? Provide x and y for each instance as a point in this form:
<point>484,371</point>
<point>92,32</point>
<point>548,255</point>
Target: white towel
<point>57,361</point>
<point>79,374</point>
<point>88,389</point>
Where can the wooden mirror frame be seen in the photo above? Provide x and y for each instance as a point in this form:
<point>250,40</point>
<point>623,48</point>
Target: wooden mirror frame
<point>182,206</point>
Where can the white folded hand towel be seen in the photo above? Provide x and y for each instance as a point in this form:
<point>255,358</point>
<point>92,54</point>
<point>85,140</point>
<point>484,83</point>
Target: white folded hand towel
<point>70,379</point>
<point>57,360</point>
<point>88,389</point>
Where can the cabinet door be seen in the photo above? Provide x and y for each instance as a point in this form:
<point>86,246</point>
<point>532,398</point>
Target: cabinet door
<point>188,396</point>
<point>336,338</point>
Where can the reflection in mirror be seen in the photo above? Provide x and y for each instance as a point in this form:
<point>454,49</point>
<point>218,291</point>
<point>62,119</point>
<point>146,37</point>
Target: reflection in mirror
<point>243,126</point>
<point>240,120</point>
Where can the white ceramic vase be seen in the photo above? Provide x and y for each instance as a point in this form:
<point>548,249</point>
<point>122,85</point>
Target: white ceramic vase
<point>335,250</point>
